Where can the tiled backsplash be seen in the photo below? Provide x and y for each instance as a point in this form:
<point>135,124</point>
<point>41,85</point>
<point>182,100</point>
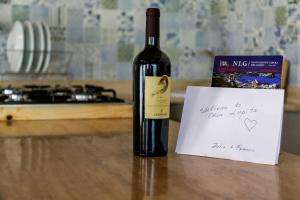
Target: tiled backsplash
<point>104,35</point>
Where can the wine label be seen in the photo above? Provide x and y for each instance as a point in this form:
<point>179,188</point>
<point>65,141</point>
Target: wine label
<point>157,97</point>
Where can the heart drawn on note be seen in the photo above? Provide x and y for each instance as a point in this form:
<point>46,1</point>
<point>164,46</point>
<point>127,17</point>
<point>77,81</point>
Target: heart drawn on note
<point>250,124</point>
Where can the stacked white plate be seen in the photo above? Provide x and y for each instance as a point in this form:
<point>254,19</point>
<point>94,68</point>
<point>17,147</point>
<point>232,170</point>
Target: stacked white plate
<point>29,47</point>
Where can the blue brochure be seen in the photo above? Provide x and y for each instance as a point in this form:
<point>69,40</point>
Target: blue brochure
<point>247,72</point>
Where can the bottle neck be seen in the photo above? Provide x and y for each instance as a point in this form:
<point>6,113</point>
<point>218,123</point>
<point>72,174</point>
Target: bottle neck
<point>152,31</point>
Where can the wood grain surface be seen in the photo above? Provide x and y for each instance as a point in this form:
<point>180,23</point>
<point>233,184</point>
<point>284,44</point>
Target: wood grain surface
<point>98,164</point>
<point>65,111</point>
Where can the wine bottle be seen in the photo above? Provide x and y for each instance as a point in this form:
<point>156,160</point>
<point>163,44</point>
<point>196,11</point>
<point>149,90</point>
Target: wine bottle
<point>151,93</point>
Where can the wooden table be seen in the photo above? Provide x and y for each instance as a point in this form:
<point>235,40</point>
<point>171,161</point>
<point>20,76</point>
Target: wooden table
<point>100,165</point>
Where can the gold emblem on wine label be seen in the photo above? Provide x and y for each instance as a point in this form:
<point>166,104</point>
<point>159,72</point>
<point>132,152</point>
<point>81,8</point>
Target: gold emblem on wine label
<point>163,85</point>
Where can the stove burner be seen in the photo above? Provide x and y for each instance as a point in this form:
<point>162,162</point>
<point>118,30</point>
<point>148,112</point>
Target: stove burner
<point>83,97</point>
<point>18,97</point>
<point>41,94</point>
<point>8,91</point>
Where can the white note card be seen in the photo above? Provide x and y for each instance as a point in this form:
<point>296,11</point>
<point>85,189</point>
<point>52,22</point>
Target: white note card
<point>232,123</point>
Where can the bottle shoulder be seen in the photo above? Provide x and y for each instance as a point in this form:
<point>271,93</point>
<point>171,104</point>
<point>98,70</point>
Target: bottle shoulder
<point>152,54</point>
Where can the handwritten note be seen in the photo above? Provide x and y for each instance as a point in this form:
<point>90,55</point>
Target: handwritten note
<point>232,123</point>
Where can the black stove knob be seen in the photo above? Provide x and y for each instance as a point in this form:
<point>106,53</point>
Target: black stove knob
<point>93,88</point>
<point>78,88</point>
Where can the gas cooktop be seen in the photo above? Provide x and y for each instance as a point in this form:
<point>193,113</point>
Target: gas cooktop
<point>46,94</point>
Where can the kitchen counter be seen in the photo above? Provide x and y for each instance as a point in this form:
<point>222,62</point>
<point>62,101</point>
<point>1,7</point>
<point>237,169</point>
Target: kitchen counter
<point>92,159</point>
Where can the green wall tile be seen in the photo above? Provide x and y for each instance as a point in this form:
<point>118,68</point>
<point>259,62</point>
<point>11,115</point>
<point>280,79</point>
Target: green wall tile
<point>173,6</point>
<point>92,35</point>
<point>20,12</point>
<point>281,16</point>
<point>219,8</point>
<point>125,52</point>
<point>293,1</point>
<point>109,4</point>
<point>108,36</point>
<point>5,1</point>
<point>173,53</point>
